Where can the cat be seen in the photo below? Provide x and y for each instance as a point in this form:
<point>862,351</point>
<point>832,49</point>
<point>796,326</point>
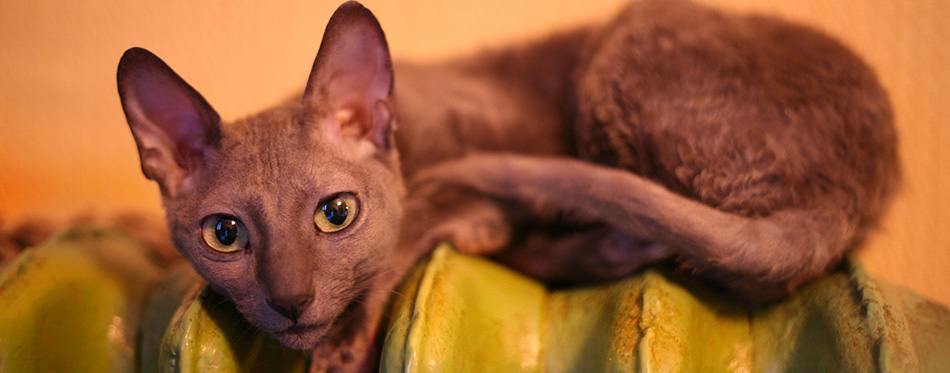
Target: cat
<point>754,152</point>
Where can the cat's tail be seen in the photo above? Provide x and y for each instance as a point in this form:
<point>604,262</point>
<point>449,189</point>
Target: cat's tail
<point>758,258</point>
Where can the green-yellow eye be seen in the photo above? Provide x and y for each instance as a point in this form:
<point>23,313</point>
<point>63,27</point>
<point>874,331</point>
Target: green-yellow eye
<point>224,233</point>
<point>336,213</point>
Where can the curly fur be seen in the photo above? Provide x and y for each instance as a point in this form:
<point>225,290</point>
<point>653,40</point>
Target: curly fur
<point>746,114</point>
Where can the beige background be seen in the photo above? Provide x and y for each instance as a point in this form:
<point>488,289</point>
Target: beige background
<point>64,144</point>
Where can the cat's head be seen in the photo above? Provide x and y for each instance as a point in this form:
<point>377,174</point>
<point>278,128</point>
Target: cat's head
<point>290,212</point>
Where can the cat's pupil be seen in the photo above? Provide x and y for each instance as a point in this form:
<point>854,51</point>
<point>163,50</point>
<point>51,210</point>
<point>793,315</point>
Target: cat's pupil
<point>226,231</point>
<point>336,211</point>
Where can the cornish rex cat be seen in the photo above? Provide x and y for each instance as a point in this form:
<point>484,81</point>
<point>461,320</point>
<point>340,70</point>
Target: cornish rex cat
<point>753,151</point>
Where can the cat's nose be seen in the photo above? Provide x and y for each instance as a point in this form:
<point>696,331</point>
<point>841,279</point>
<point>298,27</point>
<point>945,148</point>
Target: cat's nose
<point>290,306</point>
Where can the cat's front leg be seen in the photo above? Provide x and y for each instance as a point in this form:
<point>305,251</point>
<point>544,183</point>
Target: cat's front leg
<point>474,223</point>
<point>524,232</point>
<point>356,347</point>
<point>476,229</point>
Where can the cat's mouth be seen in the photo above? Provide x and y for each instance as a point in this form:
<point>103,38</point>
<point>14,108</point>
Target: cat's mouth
<point>306,337</point>
<point>301,336</point>
<point>304,329</point>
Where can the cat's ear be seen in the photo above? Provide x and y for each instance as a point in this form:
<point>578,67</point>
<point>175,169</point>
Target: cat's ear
<point>350,86</point>
<point>175,129</point>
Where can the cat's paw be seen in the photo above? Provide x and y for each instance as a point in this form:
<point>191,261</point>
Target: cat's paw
<point>476,226</point>
<point>475,236</point>
<point>473,223</point>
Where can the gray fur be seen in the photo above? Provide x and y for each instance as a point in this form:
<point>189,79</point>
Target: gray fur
<point>754,152</point>
<point>757,152</point>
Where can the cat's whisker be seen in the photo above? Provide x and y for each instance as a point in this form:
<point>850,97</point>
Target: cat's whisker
<point>245,332</point>
<point>384,290</point>
<point>217,304</point>
<point>382,311</point>
<point>404,296</point>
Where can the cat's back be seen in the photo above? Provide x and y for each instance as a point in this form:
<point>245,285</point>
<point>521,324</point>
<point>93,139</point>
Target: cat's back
<point>747,114</point>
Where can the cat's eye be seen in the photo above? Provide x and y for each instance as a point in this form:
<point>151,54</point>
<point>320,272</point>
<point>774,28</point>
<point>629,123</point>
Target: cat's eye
<point>224,233</point>
<point>336,213</point>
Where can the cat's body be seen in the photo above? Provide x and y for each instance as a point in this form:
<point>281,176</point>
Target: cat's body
<point>776,125</point>
<point>752,151</point>
<point>495,101</point>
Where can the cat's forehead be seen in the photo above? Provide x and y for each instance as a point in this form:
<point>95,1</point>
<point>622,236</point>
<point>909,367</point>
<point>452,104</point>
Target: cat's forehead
<point>272,161</point>
<point>274,145</point>
<point>272,130</point>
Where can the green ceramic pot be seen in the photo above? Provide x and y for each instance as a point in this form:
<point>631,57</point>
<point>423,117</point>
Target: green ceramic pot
<point>467,314</point>
<point>94,301</point>
<point>75,304</point>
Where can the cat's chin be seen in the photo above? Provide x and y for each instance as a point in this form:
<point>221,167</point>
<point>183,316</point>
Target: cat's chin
<point>303,337</point>
<point>308,336</point>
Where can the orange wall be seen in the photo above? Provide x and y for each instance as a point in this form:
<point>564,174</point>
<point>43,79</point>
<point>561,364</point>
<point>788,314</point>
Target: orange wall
<point>64,144</point>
